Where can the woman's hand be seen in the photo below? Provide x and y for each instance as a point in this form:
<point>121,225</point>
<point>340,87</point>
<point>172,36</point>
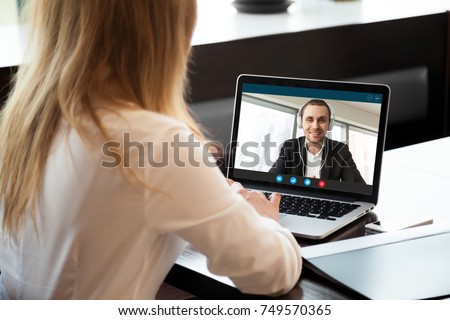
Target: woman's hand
<point>265,207</point>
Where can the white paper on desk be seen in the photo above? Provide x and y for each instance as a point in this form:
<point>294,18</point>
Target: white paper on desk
<point>191,259</point>
<point>330,248</point>
<point>406,264</point>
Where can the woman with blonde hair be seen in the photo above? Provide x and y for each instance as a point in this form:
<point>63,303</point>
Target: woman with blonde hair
<point>102,182</point>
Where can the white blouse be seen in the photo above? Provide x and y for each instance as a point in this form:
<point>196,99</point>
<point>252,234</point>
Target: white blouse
<point>98,234</point>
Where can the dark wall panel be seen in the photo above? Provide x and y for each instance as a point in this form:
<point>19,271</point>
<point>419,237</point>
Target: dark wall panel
<point>338,53</point>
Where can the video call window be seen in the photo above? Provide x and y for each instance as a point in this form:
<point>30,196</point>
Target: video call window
<point>356,124</point>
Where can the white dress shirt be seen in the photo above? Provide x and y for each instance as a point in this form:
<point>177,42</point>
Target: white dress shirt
<point>313,163</point>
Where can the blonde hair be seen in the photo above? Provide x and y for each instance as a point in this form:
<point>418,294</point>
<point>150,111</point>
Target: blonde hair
<point>116,50</point>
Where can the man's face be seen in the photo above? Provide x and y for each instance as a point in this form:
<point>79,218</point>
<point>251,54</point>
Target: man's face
<point>315,122</point>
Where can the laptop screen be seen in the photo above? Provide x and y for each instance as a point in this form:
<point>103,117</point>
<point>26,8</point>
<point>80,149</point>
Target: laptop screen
<point>309,136</point>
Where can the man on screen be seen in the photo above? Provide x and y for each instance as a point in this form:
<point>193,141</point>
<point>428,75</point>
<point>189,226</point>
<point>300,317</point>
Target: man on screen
<point>314,155</point>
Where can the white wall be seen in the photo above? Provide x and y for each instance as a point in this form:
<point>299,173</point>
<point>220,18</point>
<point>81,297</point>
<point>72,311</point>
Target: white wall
<point>361,114</point>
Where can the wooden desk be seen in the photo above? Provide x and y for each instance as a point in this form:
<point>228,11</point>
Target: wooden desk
<point>408,184</point>
<point>310,286</point>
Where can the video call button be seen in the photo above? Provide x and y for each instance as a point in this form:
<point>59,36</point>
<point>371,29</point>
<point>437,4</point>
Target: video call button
<point>307,182</point>
<point>322,184</point>
<point>279,178</point>
<point>293,180</point>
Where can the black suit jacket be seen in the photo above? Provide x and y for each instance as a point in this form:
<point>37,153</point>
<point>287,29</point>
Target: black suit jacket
<point>339,164</point>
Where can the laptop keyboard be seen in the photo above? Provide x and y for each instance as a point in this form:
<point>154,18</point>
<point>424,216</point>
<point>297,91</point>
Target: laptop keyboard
<point>315,208</point>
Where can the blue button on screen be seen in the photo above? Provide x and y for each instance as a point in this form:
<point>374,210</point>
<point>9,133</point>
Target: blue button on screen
<point>293,180</point>
<point>279,178</point>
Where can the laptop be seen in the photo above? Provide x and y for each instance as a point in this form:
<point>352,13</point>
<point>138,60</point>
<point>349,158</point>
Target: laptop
<point>272,148</point>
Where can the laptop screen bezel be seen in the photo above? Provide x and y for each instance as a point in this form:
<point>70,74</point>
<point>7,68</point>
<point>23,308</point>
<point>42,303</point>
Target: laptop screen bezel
<point>311,84</point>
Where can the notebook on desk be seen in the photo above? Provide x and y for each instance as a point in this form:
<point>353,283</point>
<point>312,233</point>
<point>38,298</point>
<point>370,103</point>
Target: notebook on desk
<point>407,264</point>
<point>276,127</point>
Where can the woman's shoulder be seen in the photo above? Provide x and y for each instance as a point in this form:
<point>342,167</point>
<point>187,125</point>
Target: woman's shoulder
<point>141,122</point>
<point>139,118</point>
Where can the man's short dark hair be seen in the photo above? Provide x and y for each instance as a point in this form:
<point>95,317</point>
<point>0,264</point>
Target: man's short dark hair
<point>317,102</point>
